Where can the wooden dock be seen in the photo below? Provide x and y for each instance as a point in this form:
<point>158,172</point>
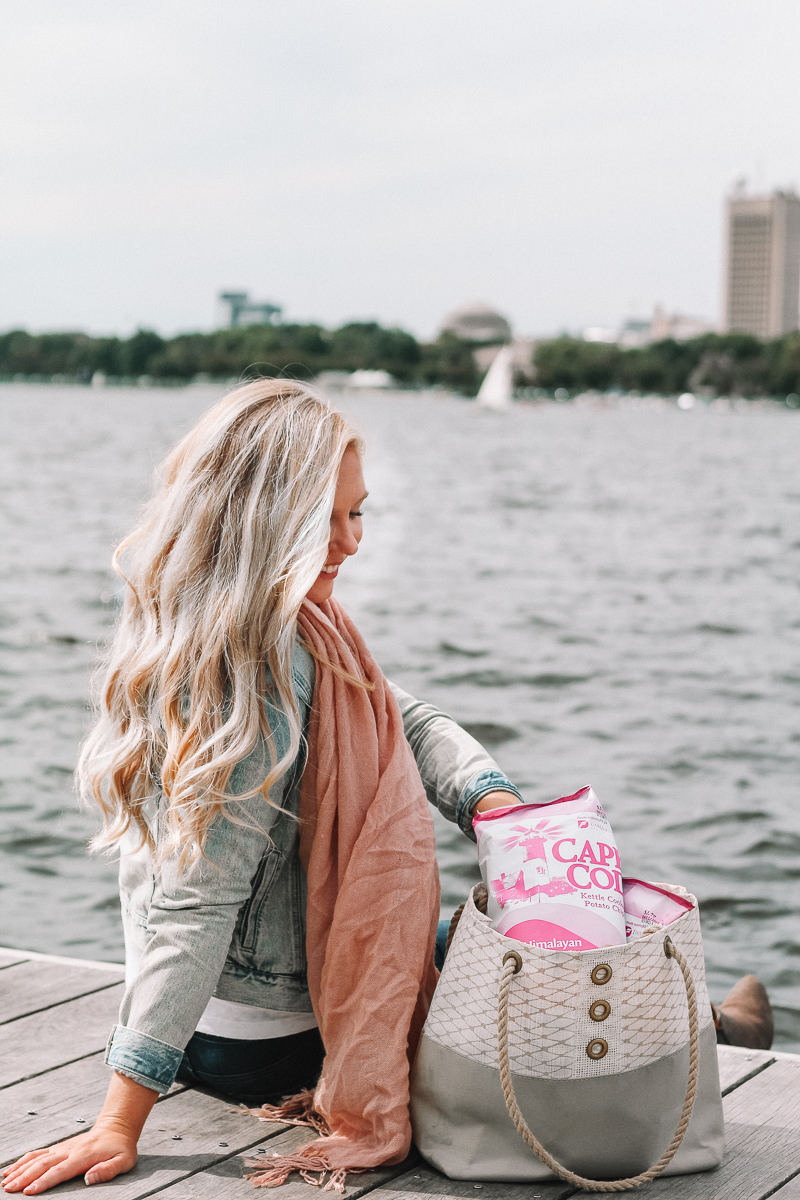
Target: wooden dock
<point>55,1016</point>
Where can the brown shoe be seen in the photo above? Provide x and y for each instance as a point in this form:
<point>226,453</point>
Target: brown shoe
<point>745,1018</point>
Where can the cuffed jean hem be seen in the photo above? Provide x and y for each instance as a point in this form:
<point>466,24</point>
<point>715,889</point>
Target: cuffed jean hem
<point>145,1059</point>
<point>475,790</point>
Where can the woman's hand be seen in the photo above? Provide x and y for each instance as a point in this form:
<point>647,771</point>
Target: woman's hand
<point>98,1155</point>
<point>106,1150</point>
<point>496,800</point>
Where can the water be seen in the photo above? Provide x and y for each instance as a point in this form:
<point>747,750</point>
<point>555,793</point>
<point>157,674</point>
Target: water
<point>604,595</point>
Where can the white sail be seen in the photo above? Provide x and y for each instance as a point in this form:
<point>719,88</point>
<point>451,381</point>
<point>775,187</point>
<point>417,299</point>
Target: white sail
<point>498,385</point>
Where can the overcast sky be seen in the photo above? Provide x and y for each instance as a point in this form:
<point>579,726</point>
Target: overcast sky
<point>391,159</point>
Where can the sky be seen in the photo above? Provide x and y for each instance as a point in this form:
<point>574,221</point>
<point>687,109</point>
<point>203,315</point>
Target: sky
<point>563,160</point>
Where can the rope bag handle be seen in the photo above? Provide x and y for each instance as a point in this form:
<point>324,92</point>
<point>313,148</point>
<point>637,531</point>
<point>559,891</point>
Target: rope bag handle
<point>512,963</point>
<point>480,898</point>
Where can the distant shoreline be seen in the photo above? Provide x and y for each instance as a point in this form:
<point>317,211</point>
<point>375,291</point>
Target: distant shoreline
<point>731,365</point>
<point>525,397</point>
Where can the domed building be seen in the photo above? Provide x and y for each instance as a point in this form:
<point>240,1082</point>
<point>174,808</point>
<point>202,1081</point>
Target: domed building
<point>478,323</point>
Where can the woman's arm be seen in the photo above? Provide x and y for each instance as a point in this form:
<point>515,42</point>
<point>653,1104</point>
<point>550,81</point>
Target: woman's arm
<point>496,800</point>
<point>190,922</point>
<point>457,772</point>
<point>104,1151</point>
<point>193,912</point>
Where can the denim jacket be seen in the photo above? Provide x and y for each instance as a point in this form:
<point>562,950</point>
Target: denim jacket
<point>233,925</point>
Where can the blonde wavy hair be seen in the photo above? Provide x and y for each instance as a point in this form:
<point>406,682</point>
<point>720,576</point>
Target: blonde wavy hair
<point>233,538</point>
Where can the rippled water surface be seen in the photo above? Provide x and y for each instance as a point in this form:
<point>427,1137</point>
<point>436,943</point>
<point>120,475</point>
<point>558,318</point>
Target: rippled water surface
<point>603,595</point>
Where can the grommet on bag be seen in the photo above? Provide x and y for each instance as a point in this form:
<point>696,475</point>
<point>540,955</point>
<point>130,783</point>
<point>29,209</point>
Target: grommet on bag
<point>517,958</point>
<point>597,1048</point>
<point>601,973</point>
<point>599,1010</point>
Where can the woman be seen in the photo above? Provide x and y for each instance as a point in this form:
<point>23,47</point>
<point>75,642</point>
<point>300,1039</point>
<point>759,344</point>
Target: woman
<point>267,788</point>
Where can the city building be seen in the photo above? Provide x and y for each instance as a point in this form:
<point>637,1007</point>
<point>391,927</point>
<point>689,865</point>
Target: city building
<point>641,331</point>
<point>600,333</point>
<point>339,381</point>
<point>678,326</point>
<point>762,282</point>
<point>244,311</point>
<point>478,323</point>
<point>634,332</point>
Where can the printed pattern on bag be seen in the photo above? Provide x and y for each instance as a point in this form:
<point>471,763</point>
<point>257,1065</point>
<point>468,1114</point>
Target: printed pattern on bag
<point>549,1022</point>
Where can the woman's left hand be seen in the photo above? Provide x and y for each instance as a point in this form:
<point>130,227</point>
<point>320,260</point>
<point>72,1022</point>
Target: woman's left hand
<point>99,1155</point>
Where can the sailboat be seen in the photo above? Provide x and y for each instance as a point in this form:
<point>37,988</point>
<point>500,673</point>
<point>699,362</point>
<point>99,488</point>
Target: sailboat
<point>497,388</point>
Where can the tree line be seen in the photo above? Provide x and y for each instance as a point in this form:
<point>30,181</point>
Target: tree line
<point>716,364</point>
<point>730,364</point>
<point>298,351</point>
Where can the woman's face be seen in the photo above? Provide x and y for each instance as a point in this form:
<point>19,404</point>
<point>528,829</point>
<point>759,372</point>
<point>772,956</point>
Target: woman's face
<point>345,523</point>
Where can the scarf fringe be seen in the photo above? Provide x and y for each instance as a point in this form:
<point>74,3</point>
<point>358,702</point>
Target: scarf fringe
<point>312,1165</point>
<point>294,1110</point>
<point>312,1168</point>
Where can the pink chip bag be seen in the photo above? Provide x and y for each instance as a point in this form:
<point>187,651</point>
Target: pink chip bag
<point>647,904</point>
<point>553,873</point>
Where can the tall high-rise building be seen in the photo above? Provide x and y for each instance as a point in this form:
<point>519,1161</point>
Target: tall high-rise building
<point>763,264</point>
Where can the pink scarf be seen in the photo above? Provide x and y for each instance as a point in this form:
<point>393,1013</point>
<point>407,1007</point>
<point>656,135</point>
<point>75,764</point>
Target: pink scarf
<point>367,845</point>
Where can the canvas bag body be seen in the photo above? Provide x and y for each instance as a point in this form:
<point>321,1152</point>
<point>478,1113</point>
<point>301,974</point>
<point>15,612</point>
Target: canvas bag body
<point>607,1118</point>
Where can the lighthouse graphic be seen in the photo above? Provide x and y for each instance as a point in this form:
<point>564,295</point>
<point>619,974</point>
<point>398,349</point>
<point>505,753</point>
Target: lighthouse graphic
<point>525,849</point>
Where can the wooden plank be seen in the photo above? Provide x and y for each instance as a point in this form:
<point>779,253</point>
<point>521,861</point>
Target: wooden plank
<point>790,1190</point>
<point>93,964</point>
<point>44,1040</point>
<point>9,958</point>
<point>737,1065</point>
<point>762,1119</point>
<point>46,1109</point>
<point>186,1133</point>
<point>225,1180</point>
<point>424,1181</point>
<point>54,1106</point>
<point>32,986</point>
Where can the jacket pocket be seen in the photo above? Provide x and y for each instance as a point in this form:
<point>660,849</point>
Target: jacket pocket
<point>265,876</point>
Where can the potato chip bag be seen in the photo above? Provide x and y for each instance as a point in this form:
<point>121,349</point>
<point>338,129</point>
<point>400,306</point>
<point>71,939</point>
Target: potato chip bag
<point>553,873</point>
<point>647,904</point>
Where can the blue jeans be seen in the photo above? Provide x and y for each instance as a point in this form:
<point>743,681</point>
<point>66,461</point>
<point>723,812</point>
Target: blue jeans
<point>442,931</point>
<point>258,1071</point>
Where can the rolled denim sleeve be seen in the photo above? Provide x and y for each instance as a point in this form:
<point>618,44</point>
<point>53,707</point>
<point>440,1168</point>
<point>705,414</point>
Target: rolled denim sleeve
<point>143,1058</point>
<point>456,771</point>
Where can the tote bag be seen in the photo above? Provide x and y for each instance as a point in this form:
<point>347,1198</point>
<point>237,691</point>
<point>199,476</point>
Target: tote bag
<point>597,1067</point>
